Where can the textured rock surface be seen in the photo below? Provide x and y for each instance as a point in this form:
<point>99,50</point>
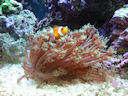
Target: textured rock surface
<point>11,49</point>
<point>18,25</point>
<point>119,31</point>
<point>76,13</point>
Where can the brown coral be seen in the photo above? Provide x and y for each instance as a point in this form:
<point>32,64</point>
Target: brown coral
<point>121,43</point>
<point>78,55</point>
<point>120,18</point>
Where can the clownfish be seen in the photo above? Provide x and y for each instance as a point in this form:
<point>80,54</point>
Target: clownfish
<point>59,31</point>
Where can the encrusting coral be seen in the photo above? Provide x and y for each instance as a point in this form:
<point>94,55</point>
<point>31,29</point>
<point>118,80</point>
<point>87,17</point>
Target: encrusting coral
<point>79,55</point>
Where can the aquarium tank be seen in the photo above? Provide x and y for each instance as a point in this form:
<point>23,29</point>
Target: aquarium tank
<point>63,47</point>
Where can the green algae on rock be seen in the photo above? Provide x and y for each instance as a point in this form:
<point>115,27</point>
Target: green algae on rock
<point>10,7</point>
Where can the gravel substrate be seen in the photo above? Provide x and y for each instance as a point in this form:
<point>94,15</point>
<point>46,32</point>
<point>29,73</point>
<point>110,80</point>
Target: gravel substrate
<point>9,74</point>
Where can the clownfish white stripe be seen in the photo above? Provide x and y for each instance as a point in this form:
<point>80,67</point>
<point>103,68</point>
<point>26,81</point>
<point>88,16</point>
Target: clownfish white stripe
<point>59,31</point>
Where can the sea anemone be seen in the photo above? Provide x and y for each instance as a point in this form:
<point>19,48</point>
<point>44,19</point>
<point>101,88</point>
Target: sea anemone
<point>78,55</point>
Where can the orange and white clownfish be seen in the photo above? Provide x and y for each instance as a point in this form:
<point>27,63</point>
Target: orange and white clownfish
<point>59,31</point>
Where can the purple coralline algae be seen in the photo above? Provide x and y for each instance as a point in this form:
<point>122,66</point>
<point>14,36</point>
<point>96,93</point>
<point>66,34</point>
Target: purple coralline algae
<point>18,25</point>
<point>119,31</point>
<point>6,25</point>
<point>76,13</point>
<point>123,61</point>
<point>120,18</point>
<point>64,10</point>
<point>119,65</point>
<point>121,43</point>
